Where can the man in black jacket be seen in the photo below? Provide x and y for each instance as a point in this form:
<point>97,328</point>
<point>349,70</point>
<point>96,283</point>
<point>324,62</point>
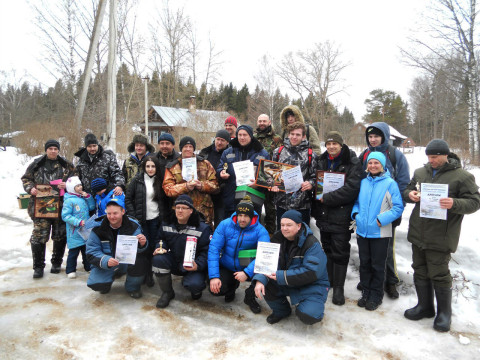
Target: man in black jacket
<point>332,210</point>
<point>166,153</point>
<point>170,251</point>
<point>213,154</point>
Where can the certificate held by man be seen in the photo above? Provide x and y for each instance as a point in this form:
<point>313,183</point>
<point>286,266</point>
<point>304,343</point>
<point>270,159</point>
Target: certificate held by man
<point>244,172</point>
<point>126,250</point>
<point>266,261</point>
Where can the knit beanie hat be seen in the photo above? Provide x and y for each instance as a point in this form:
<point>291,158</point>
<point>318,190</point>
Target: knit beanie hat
<point>71,183</point>
<point>184,200</point>
<point>90,139</point>
<point>187,140</point>
<point>166,137</point>
<point>335,137</point>
<point>245,206</point>
<point>97,185</point>
<point>377,155</point>
<point>293,215</point>
<point>247,128</point>
<point>376,131</point>
<point>231,120</point>
<point>52,142</point>
<point>437,147</point>
<point>223,134</point>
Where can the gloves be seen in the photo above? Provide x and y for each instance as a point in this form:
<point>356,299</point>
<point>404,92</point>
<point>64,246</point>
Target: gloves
<point>353,225</point>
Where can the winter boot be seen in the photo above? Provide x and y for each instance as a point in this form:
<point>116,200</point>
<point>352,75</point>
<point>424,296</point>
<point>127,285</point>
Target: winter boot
<point>391,290</point>
<point>38,255</point>
<point>363,300</point>
<point>165,282</point>
<point>149,281</point>
<point>57,256</point>
<point>424,308</point>
<point>444,309</point>
<point>339,274</point>
<point>251,301</point>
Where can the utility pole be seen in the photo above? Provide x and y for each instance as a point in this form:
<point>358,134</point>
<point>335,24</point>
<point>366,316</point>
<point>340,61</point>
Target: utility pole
<point>87,73</point>
<point>112,78</point>
<point>146,106</point>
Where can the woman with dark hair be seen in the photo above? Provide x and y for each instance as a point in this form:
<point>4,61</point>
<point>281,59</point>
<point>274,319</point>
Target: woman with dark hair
<point>143,202</point>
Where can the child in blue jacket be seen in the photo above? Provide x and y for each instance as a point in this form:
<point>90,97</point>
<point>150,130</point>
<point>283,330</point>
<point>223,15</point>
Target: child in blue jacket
<point>104,193</point>
<point>379,203</point>
<point>76,207</point>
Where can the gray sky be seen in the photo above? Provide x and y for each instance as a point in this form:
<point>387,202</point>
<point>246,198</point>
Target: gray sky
<point>369,33</point>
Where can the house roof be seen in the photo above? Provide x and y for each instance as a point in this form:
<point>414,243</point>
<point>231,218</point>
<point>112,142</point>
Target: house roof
<point>181,117</point>
<point>395,134</point>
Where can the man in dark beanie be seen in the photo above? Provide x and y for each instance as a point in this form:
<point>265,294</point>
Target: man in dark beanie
<point>166,153</point>
<point>242,231</point>
<point>199,189</point>
<point>435,239</point>
<point>244,147</point>
<point>213,153</point>
<point>169,258</point>
<point>378,139</point>
<point>301,274</point>
<point>43,171</point>
<point>95,162</point>
<point>138,149</point>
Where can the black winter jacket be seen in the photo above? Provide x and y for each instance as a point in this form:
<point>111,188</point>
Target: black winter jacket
<point>333,215</point>
<point>136,198</point>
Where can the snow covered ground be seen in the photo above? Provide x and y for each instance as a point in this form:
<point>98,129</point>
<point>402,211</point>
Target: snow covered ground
<point>59,318</point>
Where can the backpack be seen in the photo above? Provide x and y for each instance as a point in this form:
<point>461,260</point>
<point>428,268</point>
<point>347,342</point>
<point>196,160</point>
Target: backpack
<point>391,155</point>
<point>310,152</point>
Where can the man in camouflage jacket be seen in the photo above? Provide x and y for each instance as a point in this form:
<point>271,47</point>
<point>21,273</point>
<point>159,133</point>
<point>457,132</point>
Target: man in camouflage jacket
<point>139,148</point>
<point>42,170</point>
<point>95,162</point>
<point>270,141</point>
<point>199,190</point>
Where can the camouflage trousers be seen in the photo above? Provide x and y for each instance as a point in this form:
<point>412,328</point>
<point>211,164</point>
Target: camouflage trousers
<point>43,227</point>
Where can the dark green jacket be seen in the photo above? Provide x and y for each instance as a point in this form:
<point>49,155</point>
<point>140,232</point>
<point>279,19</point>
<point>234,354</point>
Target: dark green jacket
<point>268,139</point>
<point>443,235</point>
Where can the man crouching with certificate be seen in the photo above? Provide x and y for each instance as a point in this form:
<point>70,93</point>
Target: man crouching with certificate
<point>302,273</point>
<point>116,247</point>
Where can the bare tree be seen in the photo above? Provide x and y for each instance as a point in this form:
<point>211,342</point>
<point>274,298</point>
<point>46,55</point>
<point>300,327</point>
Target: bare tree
<point>314,75</point>
<point>266,80</point>
<point>212,68</point>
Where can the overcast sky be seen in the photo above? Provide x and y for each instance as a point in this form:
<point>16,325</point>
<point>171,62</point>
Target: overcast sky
<point>369,33</point>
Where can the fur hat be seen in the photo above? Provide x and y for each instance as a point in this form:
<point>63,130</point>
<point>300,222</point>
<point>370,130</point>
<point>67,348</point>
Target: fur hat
<point>231,120</point>
<point>90,139</point>
<point>334,136</point>
<point>140,139</point>
<point>187,140</point>
<point>52,142</point>
<point>437,147</point>
<point>71,183</point>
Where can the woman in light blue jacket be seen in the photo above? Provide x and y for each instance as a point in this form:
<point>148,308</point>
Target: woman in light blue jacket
<point>379,203</point>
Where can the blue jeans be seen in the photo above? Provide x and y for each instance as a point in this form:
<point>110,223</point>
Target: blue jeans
<point>72,259</point>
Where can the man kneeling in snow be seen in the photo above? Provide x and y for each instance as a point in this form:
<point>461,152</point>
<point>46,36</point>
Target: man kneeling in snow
<point>101,247</point>
<point>302,273</point>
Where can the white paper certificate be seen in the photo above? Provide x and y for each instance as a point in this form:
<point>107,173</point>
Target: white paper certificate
<point>189,169</point>
<point>266,261</point>
<point>430,201</point>
<point>292,179</point>
<point>244,172</point>
<point>332,181</point>
<point>126,250</point>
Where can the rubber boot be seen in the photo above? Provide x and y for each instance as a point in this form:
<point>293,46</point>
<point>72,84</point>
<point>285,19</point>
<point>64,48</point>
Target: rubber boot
<point>425,307</point>
<point>339,275</point>
<point>165,282</point>
<point>57,256</point>
<point>444,309</point>
<point>38,256</point>
<point>251,301</point>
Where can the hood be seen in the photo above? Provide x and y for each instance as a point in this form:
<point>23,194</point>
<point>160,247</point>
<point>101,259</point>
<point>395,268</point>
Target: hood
<point>253,223</point>
<point>296,111</point>
<point>385,174</point>
<point>385,129</point>
<point>303,234</point>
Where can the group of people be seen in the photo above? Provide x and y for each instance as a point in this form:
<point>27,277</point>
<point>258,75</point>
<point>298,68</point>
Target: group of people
<point>151,198</point>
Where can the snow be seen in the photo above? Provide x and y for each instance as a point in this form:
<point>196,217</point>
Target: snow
<point>57,317</point>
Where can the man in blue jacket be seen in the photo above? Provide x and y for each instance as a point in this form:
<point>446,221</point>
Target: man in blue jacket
<point>169,258</point>
<point>242,231</point>
<point>378,137</point>
<point>101,247</point>
<point>302,274</point>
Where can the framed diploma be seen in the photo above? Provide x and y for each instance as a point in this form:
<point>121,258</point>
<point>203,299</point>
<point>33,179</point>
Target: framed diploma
<point>269,174</point>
